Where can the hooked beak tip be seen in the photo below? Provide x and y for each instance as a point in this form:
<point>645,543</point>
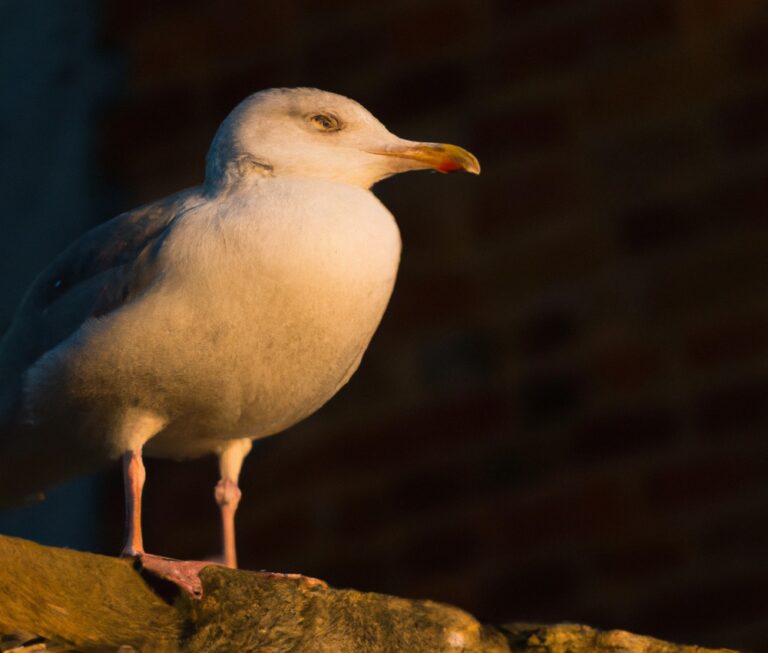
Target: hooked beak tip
<point>442,157</point>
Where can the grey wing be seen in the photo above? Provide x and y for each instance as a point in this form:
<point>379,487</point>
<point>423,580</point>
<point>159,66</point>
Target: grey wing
<point>101,271</point>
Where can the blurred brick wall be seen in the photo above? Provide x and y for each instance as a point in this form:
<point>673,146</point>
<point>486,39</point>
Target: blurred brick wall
<point>564,413</point>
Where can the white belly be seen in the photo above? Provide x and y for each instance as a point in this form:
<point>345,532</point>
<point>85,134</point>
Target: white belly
<point>266,303</point>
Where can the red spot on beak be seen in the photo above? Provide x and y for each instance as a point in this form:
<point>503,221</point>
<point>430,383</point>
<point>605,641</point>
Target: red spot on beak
<point>448,165</point>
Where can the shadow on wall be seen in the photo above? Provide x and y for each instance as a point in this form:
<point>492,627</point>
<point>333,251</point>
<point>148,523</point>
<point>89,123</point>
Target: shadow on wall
<point>53,81</point>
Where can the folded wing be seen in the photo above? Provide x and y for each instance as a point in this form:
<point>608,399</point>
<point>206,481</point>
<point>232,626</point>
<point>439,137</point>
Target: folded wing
<point>100,272</point>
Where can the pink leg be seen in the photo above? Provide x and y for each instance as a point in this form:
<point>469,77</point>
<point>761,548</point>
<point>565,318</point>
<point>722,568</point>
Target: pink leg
<point>133,480</point>
<point>228,497</point>
<point>228,494</point>
<point>182,573</point>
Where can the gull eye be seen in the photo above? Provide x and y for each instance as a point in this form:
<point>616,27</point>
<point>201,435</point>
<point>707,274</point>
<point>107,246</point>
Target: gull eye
<point>324,122</point>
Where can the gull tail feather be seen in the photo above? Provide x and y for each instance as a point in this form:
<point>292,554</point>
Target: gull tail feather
<point>33,461</point>
<point>37,457</point>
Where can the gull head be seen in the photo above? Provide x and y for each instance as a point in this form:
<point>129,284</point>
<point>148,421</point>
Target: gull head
<point>306,132</point>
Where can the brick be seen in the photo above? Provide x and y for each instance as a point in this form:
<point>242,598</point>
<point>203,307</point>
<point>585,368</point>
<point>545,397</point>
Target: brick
<point>749,636</point>
<point>717,344</point>
<point>160,168</point>
<point>440,426</point>
<point>512,463</point>
<point>444,550</point>
<point>248,31</point>
<point>624,433</point>
<point>187,488</point>
<point>443,298</point>
<point>366,510</point>
<point>521,9</point>
<point>220,95</point>
<point>613,93</point>
<point>706,480</point>
<point>149,119</point>
<point>350,566</point>
<point>442,26</point>
<point>531,197</point>
<point>121,19</point>
<point>549,397</point>
<point>361,47</point>
<point>328,13</point>
<point>158,61</point>
<point>428,221</point>
<point>707,16</point>
<point>552,51</point>
<point>207,41</point>
<point>640,560</point>
<point>429,489</point>
<point>627,367</point>
<point>559,515</point>
<point>648,229</point>
<point>741,535</point>
<point>549,331</point>
<point>522,130</point>
<point>648,160</point>
<point>453,363</point>
<point>154,148</point>
<point>703,603</point>
<point>626,25</point>
<point>531,593</point>
<point>749,47</point>
<point>462,587</point>
<point>585,39</point>
<point>271,539</point>
<point>424,91</point>
<point>737,203</point>
<point>742,405</point>
<point>722,274</point>
<point>741,121</point>
<point>558,259</point>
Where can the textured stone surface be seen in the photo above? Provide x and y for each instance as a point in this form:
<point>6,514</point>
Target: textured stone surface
<point>67,601</point>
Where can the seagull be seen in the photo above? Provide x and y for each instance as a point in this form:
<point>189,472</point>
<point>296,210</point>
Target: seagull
<point>215,316</point>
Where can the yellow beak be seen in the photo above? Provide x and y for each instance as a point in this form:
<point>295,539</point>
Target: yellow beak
<point>440,156</point>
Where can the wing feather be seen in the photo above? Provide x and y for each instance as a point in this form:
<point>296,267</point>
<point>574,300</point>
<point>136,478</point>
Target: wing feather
<point>101,271</point>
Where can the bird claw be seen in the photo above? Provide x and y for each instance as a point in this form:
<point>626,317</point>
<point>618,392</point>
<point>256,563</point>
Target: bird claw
<point>185,573</point>
<point>182,573</point>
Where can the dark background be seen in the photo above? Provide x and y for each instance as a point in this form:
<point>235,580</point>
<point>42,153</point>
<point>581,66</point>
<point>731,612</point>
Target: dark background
<point>563,415</point>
